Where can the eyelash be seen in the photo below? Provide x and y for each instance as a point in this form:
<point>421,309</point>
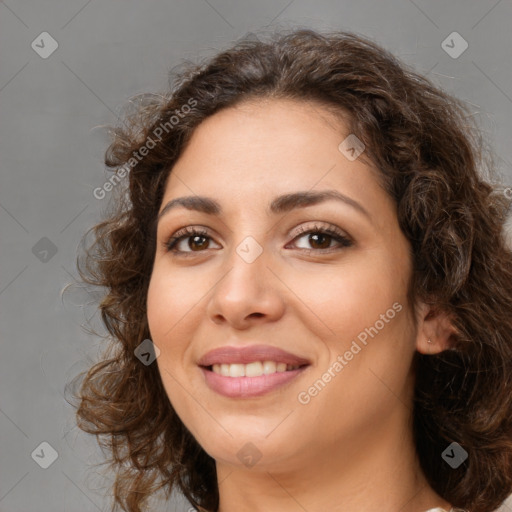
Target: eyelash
<point>187,232</point>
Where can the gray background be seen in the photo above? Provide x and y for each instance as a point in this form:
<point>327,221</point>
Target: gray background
<point>52,144</point>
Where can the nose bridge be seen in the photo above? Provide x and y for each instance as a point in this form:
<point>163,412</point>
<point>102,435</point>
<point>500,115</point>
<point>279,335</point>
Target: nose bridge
<point>247,288</point>
<point>248,260</point>
<point>249,248</point>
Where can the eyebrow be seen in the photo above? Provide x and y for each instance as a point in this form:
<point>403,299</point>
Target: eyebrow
<point>279,205</point>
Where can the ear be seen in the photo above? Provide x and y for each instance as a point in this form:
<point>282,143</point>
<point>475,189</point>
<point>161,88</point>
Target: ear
<point>434,325</point>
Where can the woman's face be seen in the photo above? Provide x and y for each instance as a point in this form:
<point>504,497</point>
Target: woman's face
<point>264,271</point>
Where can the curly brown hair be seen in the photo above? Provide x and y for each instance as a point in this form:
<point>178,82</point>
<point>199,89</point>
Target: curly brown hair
<point>432,162</point>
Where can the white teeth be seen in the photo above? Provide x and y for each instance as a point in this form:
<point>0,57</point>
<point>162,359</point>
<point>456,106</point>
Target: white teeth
<point>255,369</point>
<point>269,367</point>
<point>237,370</point>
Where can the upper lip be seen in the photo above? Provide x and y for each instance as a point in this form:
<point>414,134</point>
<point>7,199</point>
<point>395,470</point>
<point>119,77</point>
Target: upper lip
<point>245,355</point>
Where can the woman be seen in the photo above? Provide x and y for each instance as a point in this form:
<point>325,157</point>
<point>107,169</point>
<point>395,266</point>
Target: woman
<point>310,250</point>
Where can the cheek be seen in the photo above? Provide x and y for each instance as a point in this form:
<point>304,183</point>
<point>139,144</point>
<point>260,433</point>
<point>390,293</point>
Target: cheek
<point>170,320</point>
<point>157,306</point>
<point>169,299</point>
<point>376,341</point>
<point>363,311</point>
<point>175,307</point>
<point>167,308</point>
<point>344,300</point>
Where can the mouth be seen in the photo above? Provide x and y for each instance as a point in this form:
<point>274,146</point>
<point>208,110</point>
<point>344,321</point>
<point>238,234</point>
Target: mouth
<point>250,380</point>
<point>253,369</point>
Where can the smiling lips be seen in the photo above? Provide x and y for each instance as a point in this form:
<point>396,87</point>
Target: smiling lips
<point>252,369</point>
<point>249,371</point>
<point>250,354</point>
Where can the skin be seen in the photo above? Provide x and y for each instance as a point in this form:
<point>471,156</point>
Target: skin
<point>350,448</point>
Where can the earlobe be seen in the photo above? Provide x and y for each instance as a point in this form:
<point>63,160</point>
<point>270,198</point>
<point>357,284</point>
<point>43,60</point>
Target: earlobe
<point>435,332</point>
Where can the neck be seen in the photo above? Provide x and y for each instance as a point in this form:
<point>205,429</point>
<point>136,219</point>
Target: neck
<point>378,472</point>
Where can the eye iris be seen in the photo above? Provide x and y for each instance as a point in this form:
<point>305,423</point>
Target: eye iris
<point>193,240</point>
<point>314,238</point>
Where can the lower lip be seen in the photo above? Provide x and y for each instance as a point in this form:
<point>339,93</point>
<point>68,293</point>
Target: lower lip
<point>246,387</point>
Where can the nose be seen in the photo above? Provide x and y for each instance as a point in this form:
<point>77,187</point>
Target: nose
<point>247,293</point>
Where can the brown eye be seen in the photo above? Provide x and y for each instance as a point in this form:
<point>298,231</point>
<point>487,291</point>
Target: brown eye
<point>198,240</point>
<point>320,239</point>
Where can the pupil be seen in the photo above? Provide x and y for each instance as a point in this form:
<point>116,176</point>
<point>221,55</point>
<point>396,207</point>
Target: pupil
<point>194,241</point>
<point>321,236</point>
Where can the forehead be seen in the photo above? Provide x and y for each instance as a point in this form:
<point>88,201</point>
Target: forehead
<point>271,126</point>
<point>263,148</point>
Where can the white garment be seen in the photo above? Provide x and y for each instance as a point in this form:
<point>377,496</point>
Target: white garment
<point>439,509</point>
